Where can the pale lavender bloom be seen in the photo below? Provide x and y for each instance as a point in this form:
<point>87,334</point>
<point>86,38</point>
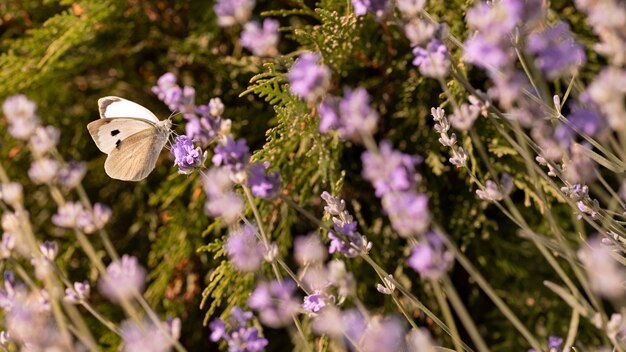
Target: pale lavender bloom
<point>356,116</point>
<point>334,205</point>
<point>7,245</point>
<point>123,280</point>
<point>309,250</point>
<point>222,201</point>
<point>20,113</point>
<point>496,20</point>
<point>89,222</point>
<point>408,212</point>
<point>244,250</point>
<point>420,340</point>
<point>49,250</point>
<point>608,92</point>
<point>79,292</point>
<point>233,155</point>
<point>237,334</point>
<point>350,242</point>
<point>186,157</point>
<point>261,40</point>
<point>168,91</point>
<point>608,20</point>
<point>187,99</point>
<point>554,344</point>
<point>463,118</point>
<point>274,302</point>
<point>383,335</point>
<point>11,223</point>
<point>314,302</point>
<point>433,60</point>
<point>201,129</point>
<point>216,107</point>
<point>589,207</point>
<point>30,323</point>
<point>580,168</point>
<point>67,215</point>
<point>341,278</point>
<point>308,79</point>
<point>430,257</point>
<point>349,324</point>
<point>71,175</point>
<point>556,51</point>
<point>231,12</point>
<point>11,193</point>
<point>485,54</point>
<point>585,120</point>
<point>5,337</point>
<point>377,7</point>
<point>328,112</point>
<point>419,31</point>
<point>44,139</point>
<point>263,184</point>
<point>43,170</point>
<point>389,171</point>
<point>459,157</point>
<point>410,8</point>
<point>492,192</point>
<point>578,191</point>
<point>144,337</point>
<point>606,275</point>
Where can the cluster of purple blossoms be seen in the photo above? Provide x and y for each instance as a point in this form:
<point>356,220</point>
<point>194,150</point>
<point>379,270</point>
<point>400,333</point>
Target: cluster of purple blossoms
<point>554,344</point>
<point>261,39</point>
<point>491,191</point>
<point>275,302</point>
<point>234,155</point>
<point>231,12</point>
<point>433,60</point>
<point>73,215</point>
<point>244,249</point>
<point>237,333</point>
<point>186,157</point>
<point>263,184</point>
<point>308,79</point>
<point>345,239</point>
<point>557,54</point>
<point>351,116</point>
<point>377,7</point>
<point>79,292</point>
<point>124,279</point>
<point>148,336</point>
<point>430,257</point>
<point>222,201</point>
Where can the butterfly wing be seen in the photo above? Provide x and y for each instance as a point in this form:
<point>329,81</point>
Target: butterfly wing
<point>112,107</point>
<point>133,158</point>
<point>109,132</point>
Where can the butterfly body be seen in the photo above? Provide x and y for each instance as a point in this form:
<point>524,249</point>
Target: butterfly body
<point>131,135</point>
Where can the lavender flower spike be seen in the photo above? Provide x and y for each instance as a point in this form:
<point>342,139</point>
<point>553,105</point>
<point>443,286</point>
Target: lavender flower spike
<point>231,12</point>
<point>124,279</point>
<point>186,157</point>
<point>275,302</point>
<point>308,79</point>
<point>244,250</point>
<point>430,257</point>
<point>261,40</point>
<point>263,184</point>
<point>390,170</point>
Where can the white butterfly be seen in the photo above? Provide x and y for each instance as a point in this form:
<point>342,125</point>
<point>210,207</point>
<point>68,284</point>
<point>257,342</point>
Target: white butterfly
<point>131,135</point>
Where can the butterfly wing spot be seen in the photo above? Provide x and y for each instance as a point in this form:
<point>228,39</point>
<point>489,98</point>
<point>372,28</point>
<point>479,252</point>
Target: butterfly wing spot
<point>115,132</point>
<point>135,157</point>
<point>118,143</point>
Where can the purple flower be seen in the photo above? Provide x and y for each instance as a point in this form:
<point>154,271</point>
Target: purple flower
<point>244,250</point>
<point>79,292</point>
<point>202,129</point>
<point>349,324</point>
<point>89,222</point>
<point>484,54</point>
<point>349,242</point>
<point>556,51</point>
<point>222,201</point>
<point>43,170</point>
<point>234,155</point>
<point>231,12</point>
<point>376,7</point>
<point>49,250</point>
<point>7,244</point>
<point>309,250</point>
<point>11,193</point>
<point>586,120</point>
<point>433,60</point>
<point>419,31</point>
<point>495,20</point>
<point>186,157</point>
<point>383,335</point>
<point>274,302</point>
<point>44,139</point>
<point>554,342</point>
<point>408,212</point>
<point>390,170</point>
<point>307,79</point>
<point>263,184</point>
<point>124,279</point>
<point>410,8</point>
<point>145,337</point>
<point>72,174</point>
<point>261,41</point>
<point>356,115</point>
<point>20,113</point>
<point>606,275</point>
<point>328,111</point>
<point>430,257</point>
<point>68,215</point>
<point>168,91</point>
<point>314,302</point>
<point>236,333</point>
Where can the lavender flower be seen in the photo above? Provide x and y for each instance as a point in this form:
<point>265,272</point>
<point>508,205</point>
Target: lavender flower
<point>433,60</point>
<point>231,12</point>
<point>349,242</point>
<point>67,215</point>
<point>168,91</point>
<point>43,170</point>
<point>482,53</point>
<point>71,175</point>
<point>124,279</point>
<point>244,250</point>
<point>44,139</point>
<point>556,51</point>
<point>263,184</point>
<point>49,250</point>
<point>144,337</point>
<point>314,302</point>
<point>20,113</point>
<point>383,335</point>
<point>606,275</point>
<point>7,244</point>
<point>495,20</point>
<point>430,257</point>
<point>464,117</point>
<point>186,157</point>
<point>239,336</point>
<point>419,31</point>
<point>408,212</point>
<point>339,324</point>
<point>307,79</point>
<point>609,95</point>
<point>356,116</point>
<point>261,40</point>
<point>222,201</point>
<point>410,8</point>
<point>11,193</point>
<point>202,129</point>
<point>493,193</point>
<point>328,111</point>
<point>274,302</point>
<point>420,340</point>
<point>390,170</point>
<point>309,250</point>
<point>376,7</point>
<point>90,222</point>
<point>78,293</point>
<point>234,155</point>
